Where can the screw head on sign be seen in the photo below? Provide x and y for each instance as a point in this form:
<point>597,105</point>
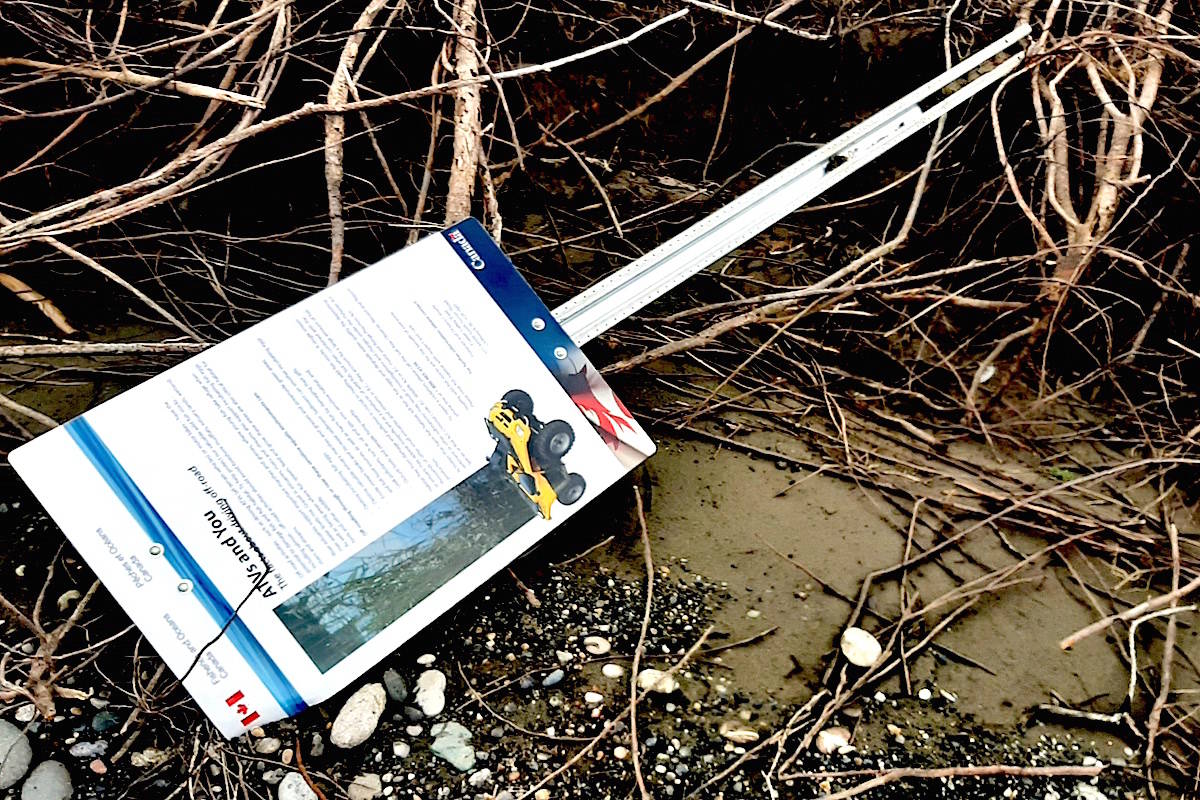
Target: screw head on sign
<point>538,324</point>
<point>560,353</point>
<point>156,549</point>
<point>184,586</point>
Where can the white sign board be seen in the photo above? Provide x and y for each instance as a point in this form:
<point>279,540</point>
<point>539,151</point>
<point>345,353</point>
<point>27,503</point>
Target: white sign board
<point>280,512</point>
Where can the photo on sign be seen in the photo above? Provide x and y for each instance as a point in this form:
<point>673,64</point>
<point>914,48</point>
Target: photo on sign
<point>524,478</point>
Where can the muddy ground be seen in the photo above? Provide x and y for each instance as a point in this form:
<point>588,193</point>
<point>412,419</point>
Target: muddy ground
<point>740,543</point>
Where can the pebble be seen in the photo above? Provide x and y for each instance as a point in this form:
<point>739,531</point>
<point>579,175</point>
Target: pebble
<point>553,678</point>
<point>481,778</point>
<point>98,767</point>
<point>563,656</point>
<point>88,749</point>
<point>612,671</point>
<point>150,757</point>
<point>860,647</point>
<point>105,721</point>
<point>365,787</point>
<point>737,732</point>
<point>274,776</point>
<point>924,694</point>
<point>15,754</point>
<point>452,744</point>
<point>541,794</point>
<point>653,680</point>
<point>593,698</point>
<point>25,713</point>
<point>49,780</point>
<point>294,787</point>
<point>620,753</point>
<point>832,740</point>
<point>431,692</point>
<point>393,684</point>
<point>596,645</point>
<point>413,730</point>
<point>317,748</point>
<point>267,746</point>
<point>754,613</point>
<point>359,717</point>
<point>401,749</point>
<point>426,660</point>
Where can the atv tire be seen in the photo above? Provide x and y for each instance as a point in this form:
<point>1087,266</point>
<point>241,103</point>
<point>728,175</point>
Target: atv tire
<point>570,488</point>
<point>520,402</point>
<point>552,442</point>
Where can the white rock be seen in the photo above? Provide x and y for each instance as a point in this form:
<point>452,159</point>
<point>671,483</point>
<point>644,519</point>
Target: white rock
<point>358,719</point>
<point>737,732</point>
<point>754,613</point>
<point>612,670</point>
<point>1085,791</point>
<point>426,659</point>
<point>432,679</point>
<point>596,645</point>
<point>49,780</point>
<point>294,787</point>
<point>480,778</point>
<point>365,787</point>
<point>620,753</point>
<point>831,740</point>
<point>860,647</point>
<point>654,680</point>
<point>25,713</point>
<point>563,656</point>
<point>401,749</point>
<point>15,754</point>
<point>593,698</point>
<point>924,694</point>
<point>431,692</point>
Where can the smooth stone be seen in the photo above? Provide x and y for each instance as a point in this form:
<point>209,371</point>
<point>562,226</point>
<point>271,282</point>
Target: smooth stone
<point>105,721</point>
<point>49,780</point>
<point>553,678</point>
<point>413,714</point>
<point>267,746</point>
<point>541,794</point>
<point>358,719</point>
<point>924,694</point>
<point>393,684</point>
<point>25,713</point>
<point>401,749</point>
<point>426,659</point>
<point>612,671</point>
<point>480,778</point>
<point>15,754</point>
<point>365,787</point>
<point>737,732</point>
<point>563,656</point>
<point>452,744</point>
<point>88,749</point>
<point>294,787</point>
<point>653,680</point>
<point>596,645</point>
<point>860,647</point>
<point>97,766</point>
<point>620,752</point>
<point>593,698</point>
<point>431,692</point>
<point>832,740</point>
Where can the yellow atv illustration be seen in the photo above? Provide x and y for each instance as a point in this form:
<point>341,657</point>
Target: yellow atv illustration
<point>530,452</point>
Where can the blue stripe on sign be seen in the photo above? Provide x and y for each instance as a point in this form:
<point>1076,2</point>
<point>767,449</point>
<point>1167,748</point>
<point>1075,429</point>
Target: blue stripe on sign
<point>182,562</point>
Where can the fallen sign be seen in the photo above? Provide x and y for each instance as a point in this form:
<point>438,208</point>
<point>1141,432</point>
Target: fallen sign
<point>280,512</point>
